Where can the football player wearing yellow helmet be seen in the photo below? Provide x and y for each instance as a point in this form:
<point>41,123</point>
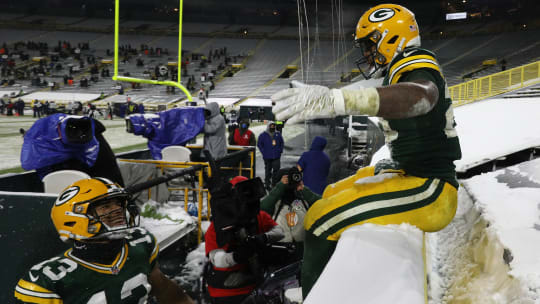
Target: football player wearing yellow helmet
<point>382,33</point>
<point>418,184</point>
<point>111,259</point>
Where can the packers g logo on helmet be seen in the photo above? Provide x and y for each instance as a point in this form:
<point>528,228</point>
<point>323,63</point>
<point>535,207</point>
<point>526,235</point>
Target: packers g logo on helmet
<point>381,15</point>
<point>66,195</point>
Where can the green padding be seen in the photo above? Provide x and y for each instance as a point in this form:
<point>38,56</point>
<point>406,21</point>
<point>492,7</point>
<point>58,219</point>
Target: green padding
<point>27,237</point>
<point>21,182</point>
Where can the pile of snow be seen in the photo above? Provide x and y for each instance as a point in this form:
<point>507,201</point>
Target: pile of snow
<point>489,253</point>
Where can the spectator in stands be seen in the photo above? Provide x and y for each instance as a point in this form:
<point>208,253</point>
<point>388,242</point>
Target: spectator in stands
<point>202,95</point>
<point>109,111</point>
<point>315,165</point>
<point>69,107</point>
<point>270,143</point>
<point>279,126</point>
<point>38,108</point>
<point>33,105</point>
<point>222,111</point>
<point>45,108</point>
<point>260,112</point>
<point>215,139</point>
<point>231,277</point>
<point>90,110</point>
<point>503,64</point>
<point>77,108</point>
<point>19,107</point>
<point>2,106</point>
<point>140,108</point>
<point>9,109</point>
<point>52,107</point>
<point>131,108</point>
<point>242,136</point>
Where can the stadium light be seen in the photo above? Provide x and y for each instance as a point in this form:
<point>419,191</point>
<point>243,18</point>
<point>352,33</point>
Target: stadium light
<point>456,16</point>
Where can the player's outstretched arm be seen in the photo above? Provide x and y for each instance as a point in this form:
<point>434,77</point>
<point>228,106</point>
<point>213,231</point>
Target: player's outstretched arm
<point>165,290</point>
<point>403,100</point>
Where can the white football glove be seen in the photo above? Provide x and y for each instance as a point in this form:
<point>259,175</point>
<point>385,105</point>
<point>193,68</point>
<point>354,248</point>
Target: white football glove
<point>308,102</point>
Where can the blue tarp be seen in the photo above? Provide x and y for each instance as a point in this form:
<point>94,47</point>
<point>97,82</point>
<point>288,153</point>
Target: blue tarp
<point>45,144</point>
<point>168,128</point>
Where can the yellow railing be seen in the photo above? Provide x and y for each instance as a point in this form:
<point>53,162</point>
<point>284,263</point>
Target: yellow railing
<point>200,199</point>
<point>495,84</point>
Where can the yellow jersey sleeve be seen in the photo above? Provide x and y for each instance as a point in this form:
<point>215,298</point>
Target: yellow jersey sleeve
<point>410,63</point>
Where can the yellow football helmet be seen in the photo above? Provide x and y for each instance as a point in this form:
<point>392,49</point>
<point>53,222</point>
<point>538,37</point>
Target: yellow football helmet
<point>383,32</point>
<point>73,213</point>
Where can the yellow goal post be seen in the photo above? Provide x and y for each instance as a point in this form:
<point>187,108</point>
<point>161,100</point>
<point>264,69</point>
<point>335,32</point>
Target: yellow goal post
<point>177,84</point>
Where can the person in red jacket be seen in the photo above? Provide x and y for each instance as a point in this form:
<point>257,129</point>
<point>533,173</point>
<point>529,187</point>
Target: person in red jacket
<point>242,136</point>
<point>231,279</point>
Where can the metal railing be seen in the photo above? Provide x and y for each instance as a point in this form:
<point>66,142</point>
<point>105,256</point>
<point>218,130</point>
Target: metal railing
<point>495,84</point>
<point>202,198</point>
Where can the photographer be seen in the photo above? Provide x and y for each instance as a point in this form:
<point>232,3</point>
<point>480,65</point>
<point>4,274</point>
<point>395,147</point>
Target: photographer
<point>238,233</point>
<point>288,203</point>
<point>69,142</point>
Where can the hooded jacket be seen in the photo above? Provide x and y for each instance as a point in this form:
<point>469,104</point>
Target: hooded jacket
<point>215,139</point>
<point>168,128</point>
<point>270,144</point>
<point>315,165</point>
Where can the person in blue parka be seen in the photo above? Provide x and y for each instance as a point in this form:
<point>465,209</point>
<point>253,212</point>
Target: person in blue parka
<point>270,143</point>
<point>69,142</point>
<point>167,128</point>
<point>315,165</point>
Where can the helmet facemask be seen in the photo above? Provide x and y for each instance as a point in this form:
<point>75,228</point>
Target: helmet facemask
<point>111,217</point>
<point>372,63</point>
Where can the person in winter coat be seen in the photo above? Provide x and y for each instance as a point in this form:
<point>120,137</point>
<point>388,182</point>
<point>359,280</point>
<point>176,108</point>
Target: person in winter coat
<point>230,278</point>
<point>315,165</point>
<point>242,136</point>
<point>288,203</point>
<point>270,143</point>
<point>215,139</point>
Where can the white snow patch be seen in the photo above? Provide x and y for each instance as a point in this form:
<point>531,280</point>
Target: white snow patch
<point>374,179</point>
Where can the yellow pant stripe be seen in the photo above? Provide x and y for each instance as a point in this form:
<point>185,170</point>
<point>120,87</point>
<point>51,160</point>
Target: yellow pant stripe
<point>430,218</point>
<point>376,205</point>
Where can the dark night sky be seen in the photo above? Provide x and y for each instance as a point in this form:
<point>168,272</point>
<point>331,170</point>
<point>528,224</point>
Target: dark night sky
<point>428,11</point>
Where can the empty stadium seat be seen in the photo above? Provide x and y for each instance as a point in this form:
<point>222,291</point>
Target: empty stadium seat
<point>175,153</point>
<point>57,181</point>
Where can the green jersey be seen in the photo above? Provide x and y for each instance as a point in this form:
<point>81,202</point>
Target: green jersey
<point>426,145</point>
<point>68,279</point>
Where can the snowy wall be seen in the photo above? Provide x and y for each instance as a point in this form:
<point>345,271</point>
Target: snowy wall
<point>375,264</point>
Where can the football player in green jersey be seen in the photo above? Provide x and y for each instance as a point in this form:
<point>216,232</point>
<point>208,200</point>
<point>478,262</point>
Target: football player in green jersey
<point>112,261</point>
<point>418,184</point>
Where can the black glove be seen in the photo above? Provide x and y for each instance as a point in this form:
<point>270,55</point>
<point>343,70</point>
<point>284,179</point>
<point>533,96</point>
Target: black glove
<point>242,254</point>
<point>259,240</point>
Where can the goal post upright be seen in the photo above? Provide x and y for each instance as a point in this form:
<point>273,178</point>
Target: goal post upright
<point>116,77</point>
